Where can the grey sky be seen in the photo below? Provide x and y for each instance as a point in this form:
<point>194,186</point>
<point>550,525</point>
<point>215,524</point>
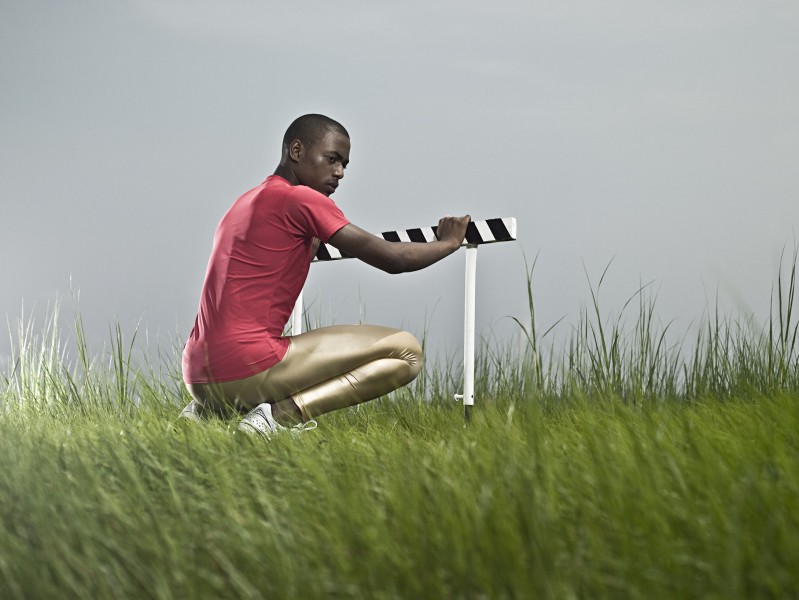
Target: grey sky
<point>664,134</point>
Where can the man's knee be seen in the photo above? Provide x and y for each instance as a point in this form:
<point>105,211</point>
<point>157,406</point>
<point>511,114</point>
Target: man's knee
<point>408,349</point>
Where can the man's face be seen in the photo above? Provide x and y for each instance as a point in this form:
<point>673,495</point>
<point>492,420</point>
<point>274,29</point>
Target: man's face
<point>321,165</point>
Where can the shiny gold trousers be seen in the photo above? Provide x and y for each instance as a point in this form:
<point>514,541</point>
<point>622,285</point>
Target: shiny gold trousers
<point>324,370</point>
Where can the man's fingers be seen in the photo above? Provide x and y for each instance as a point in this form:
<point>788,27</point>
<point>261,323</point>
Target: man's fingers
<point>453,227</point>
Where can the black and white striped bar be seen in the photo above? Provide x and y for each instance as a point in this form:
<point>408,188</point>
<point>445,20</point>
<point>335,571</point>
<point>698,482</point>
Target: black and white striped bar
<point>477,233</point>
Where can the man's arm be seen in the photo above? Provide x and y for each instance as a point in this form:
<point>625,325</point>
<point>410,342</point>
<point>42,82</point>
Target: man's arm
<point>401,257</point>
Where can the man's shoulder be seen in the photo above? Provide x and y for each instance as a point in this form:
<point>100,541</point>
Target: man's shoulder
<point>272,189</point>
<point>306,195</point>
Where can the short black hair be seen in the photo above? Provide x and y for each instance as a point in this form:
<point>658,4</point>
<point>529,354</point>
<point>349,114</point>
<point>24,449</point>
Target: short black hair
<point>312,128</point>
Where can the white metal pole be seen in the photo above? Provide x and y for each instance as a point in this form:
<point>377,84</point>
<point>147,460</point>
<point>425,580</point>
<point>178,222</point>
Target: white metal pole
<point>468,331</point>
<point>296,316</point>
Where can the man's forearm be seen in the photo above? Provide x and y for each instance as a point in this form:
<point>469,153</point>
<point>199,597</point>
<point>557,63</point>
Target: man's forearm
<point>397,257</point>
<point>413,256</point>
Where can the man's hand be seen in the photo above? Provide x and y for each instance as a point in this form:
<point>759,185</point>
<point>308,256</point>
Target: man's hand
<point>453,229</point>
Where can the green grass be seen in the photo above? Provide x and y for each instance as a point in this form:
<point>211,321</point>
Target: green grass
<point>400,500</point>
<point>622,466</point>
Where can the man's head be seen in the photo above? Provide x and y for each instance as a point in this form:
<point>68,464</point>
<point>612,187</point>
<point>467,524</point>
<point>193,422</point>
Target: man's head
<point>312,128</point>
<point>316,150</point>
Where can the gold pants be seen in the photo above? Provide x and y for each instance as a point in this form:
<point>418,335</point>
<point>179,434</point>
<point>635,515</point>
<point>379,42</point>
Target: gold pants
<point>324,370</point>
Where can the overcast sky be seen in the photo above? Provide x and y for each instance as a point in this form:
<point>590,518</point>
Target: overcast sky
<point>661,135</point>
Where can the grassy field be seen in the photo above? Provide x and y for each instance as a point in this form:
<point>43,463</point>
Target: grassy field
<point>622,466</point>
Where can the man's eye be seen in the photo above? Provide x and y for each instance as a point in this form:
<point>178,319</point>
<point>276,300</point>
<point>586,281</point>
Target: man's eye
<point>331,159</point>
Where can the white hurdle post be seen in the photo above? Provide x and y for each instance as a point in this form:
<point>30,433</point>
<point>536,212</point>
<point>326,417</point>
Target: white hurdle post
<point>469,311</point>
<point>478,232</point>
<point>296,316</point>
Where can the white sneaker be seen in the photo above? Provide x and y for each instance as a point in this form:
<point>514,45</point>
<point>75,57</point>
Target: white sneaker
<point>192,412</point>
<point>260,420</point>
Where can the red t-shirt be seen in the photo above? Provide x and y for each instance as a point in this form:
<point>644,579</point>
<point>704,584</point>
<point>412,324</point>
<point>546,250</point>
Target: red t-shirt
<point>258,265</point>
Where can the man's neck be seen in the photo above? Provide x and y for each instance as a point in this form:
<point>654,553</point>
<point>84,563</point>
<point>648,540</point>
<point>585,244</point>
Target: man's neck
<point>286,173</point>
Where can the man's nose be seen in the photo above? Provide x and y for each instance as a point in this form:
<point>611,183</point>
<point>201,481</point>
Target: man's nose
<point>339,172</point>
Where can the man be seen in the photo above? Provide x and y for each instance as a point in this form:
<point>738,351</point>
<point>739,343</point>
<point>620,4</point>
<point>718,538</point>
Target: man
<point>236,357</point>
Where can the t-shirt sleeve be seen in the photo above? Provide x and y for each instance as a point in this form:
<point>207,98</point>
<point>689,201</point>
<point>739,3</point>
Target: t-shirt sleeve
<point>314,214</point>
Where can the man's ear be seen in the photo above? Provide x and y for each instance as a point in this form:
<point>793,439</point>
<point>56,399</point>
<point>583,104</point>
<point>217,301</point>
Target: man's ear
<point>295,149</point>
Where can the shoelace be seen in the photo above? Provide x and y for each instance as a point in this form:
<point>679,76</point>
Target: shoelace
<point>308,426</point>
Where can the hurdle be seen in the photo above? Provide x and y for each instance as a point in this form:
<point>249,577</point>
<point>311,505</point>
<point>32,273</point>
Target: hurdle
<point>477,233</point>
